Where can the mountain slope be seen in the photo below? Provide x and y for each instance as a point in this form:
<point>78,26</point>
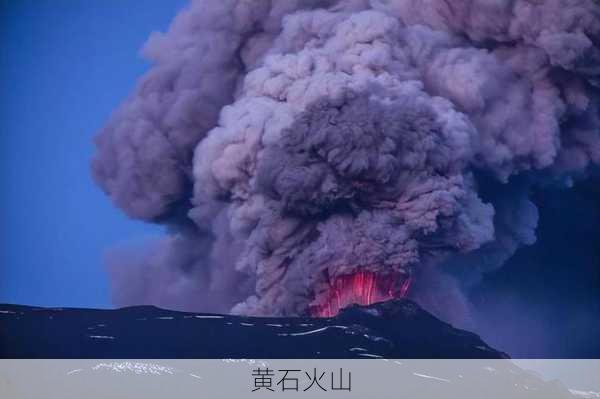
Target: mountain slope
<point>393,329</point>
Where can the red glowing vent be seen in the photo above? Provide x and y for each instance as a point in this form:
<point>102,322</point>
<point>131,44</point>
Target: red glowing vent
<point>363,288</point>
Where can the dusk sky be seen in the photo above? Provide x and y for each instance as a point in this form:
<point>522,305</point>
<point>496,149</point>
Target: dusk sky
<point>66,66</point>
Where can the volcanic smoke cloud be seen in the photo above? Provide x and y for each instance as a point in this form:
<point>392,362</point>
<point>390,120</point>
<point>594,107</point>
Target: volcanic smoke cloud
<point>308,154</point>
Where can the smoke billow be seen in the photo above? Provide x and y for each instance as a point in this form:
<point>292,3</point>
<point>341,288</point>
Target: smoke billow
<point>288,144</point>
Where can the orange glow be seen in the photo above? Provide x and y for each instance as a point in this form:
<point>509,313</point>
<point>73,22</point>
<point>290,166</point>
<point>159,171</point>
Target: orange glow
<point>363,288</point>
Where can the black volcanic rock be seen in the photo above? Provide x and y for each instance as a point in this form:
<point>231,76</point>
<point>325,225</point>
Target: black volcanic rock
<point>393,329</point>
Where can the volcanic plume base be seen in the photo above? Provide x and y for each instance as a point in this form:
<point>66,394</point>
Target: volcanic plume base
<point>362,288</point>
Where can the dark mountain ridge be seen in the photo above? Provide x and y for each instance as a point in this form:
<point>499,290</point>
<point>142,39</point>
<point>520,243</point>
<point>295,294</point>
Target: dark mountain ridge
<point>392,329</point>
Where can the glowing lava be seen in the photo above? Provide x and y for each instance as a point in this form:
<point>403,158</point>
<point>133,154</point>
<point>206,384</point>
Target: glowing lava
<point>363,288</point>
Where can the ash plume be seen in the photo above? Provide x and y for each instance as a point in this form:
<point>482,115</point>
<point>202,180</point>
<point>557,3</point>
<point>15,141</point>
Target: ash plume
<point>289,143</point>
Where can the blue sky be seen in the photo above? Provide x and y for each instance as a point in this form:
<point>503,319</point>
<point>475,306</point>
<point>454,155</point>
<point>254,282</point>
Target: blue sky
<point>65,65</point>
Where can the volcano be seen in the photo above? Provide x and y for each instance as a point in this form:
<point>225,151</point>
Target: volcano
<point>397,328</point>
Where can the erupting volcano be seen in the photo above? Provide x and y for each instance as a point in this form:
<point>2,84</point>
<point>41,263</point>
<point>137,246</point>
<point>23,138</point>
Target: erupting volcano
<point>280,139</point>
<point>363,288</point>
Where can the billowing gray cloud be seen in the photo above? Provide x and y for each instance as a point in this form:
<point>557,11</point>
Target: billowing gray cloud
<point>293,143</point>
